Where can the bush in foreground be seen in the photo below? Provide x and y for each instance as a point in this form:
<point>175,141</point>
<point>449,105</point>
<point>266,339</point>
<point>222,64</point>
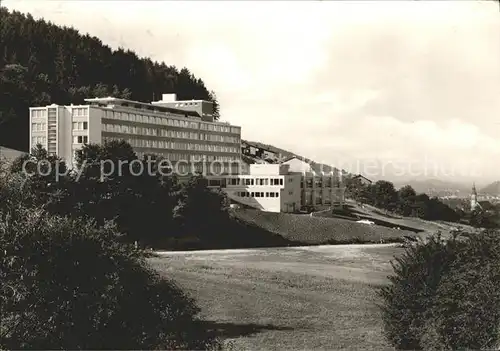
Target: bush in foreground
<point>444,294</point>
<point>67,284</point>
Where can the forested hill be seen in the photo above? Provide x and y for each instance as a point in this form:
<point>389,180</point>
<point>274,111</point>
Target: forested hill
<point>41,63</point>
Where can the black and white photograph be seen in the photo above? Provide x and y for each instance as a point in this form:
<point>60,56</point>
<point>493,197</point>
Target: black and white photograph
<point>249,175</point>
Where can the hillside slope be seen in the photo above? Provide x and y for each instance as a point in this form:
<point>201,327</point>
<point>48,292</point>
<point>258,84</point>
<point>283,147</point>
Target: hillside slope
<point>410,223</point>
<point>285,154</point>
<point>317,230</point>
<point>338,228</point>
<point>491,189</point>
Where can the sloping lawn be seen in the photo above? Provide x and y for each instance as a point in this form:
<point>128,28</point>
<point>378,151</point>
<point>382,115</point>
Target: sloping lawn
<point>319,230</point>
<point>411,223</point>
<point>321,297</point>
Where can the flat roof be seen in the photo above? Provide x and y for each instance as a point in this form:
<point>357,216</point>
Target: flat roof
<point>110,100</point>
<point>179,101</point>
<point>154,107</point>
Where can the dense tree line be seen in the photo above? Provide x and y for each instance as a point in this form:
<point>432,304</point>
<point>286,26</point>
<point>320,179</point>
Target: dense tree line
<point>443,294</point>
<point>147,202</point>
<point>73,269</point>
<point>71,277</point>
<point>110,183</point>
<point>41,63</point>
<point>404,201</point>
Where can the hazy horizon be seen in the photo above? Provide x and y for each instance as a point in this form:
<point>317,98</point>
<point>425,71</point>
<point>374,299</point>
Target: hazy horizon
<point>409,87</point>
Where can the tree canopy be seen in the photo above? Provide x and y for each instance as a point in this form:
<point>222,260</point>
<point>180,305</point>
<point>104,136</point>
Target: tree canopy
<point>404,201</point>
<point>443,294</point>
<point>68,283</point>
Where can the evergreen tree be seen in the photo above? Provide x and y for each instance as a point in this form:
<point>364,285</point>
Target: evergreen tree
<point>42,63</point>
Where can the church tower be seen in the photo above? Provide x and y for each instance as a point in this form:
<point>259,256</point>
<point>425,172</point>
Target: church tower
<point>474,205</point>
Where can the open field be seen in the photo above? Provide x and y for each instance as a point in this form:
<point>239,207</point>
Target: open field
<point>321,297</point>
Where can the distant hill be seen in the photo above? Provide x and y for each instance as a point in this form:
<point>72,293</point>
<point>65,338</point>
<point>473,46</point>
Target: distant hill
<point>437,187</point>
<point>284,154</point>
<point>491,189</point>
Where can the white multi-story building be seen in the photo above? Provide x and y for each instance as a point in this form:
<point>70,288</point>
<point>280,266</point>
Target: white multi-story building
<point>285,187</point>
<point>262,189</point>
<point>322,186</point>
<point>180,135</point>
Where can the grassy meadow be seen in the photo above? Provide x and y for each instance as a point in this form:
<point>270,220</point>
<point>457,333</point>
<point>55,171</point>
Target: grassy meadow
<point>317,297</point>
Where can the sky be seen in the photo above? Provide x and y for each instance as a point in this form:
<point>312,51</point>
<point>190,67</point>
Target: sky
<point>391,89</point>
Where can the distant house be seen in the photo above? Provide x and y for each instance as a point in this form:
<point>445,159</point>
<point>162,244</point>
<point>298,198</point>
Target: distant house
<point>362,179</point>
<point>255,150</point>
<point>248,149</point>
<point>268,154</point>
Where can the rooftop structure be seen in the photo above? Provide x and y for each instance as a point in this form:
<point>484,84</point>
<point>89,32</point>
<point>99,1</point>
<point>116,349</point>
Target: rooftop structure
<point>204,109</point>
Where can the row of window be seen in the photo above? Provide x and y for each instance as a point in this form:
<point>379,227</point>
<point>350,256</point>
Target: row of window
<point>319,193</point>
<point>39,113</point>
<point>117,128</point>
<point>80,112</point>
<point>257,194</point>
<point>80,139</point>
<point>177,156</point>
<point>255,181</point>
<point>220,138</point>
<point>192,167</point>
<point>80,125</point>
<point>38,127</point>
<point>186,104</point>
<point>318,200</point>
<point>169,121</point>
<point>318,183</point>
<point>76,112</point>
<point>38,140</point>
<point>184,168</point>
<point>177,145</point>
